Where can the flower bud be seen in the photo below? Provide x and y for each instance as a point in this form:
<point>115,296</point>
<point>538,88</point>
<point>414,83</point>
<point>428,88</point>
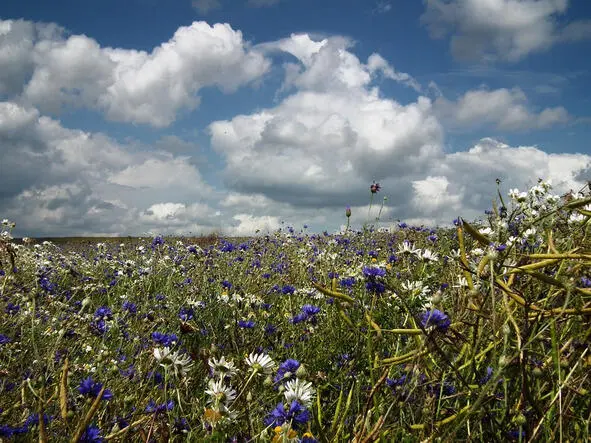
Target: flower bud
<point>348,211</point>
<point>520,420</point>
<point>301,372</point>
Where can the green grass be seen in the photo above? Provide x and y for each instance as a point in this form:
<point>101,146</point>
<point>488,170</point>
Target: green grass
<point>356,312</point>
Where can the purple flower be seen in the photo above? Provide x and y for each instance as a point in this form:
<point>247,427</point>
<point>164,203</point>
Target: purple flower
<point>297,414</point>
<point>104,312</point>
<point>298,318</point>
<point>186,314</point>
<point>99,326</point>
<point>157,241</point>
<point>6,431</point>
<point>347,282</point>
<point>92,389</point>
<point>586,282</point>
<point>129,307</point>
<point>287,289</point>
<point>154,408</point>
<point>372,272</point>
<point>348,211</point>
<point>375,287</point>
<point>226,284</point>
<point>92,435</point>
<point>246,324</point>
<point>181,426</point>
<point>287,369</point>
<point>164,339</point>
<point>375,187</point>
<point>4,339</point>
<point>11,309</point>
<point>310,310</point>
<point>435,318</point>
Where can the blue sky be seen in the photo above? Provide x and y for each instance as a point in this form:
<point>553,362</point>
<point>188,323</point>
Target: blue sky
<point>148,116</point>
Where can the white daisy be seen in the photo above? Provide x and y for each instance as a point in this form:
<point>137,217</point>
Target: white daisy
<point>299,390</point>
<point>260,363</point>
<point>174,361</point>
<point>429,255</point>
<point>220,394</point>
<point>222,368</point>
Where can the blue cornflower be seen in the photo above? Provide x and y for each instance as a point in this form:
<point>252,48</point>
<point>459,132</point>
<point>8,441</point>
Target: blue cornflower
<point>270,329</point>
<point>157,241</point>
<point>47,285</point>
<point>129,307</point>
<point>247,324</point>
<point>347,282</point>
<point>226,284</point>
<point>92,434</point>
<point>586,282</point>
<point>393,382</point>
<point>186,314</point>
<point>164,339</point>
<point>287,289</point>
<point>287,369</point>
<point>6,431</point>
<point>181,426</point>
<point>104,312</point>
<point>227,247</point>
<point>435,318</point>
<point>298,318</point>
<point>373,272</point>
<point>99,326</point>
<point>375,287</point>
<point>11,309</point>
<point>153,407</point>
<point>310,310</point>
<point>92,389</point>
<point>296,414</point>
<point>445,388</point>
<point>4,339</point>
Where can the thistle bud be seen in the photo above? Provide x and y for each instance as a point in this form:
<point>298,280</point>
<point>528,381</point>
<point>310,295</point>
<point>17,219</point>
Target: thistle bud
<point>348,211</point>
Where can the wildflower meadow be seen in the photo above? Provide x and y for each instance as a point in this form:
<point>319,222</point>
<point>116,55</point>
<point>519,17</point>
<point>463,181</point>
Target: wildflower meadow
<point>479,331</point>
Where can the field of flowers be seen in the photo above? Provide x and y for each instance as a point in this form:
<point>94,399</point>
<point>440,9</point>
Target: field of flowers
<point>476,332</point>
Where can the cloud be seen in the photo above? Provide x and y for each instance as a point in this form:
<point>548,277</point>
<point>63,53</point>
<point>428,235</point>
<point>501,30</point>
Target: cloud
<point>331,132</point>
<point>431,195</point>
<point>126,85</point>
<point>206,6</point>
<point>506,109</point>
<point>60,181</point>
<point>382,7</point>
<point>505,30</point>
<point>320,147</point>
<point>331,137</point>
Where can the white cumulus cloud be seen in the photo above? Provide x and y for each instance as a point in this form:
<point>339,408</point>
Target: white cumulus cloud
<point>505,30</point>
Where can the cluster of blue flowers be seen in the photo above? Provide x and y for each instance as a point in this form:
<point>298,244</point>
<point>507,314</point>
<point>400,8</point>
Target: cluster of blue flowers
<point>307,313</point>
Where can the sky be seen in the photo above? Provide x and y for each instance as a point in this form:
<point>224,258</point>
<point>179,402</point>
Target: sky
<point>145,117</point>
